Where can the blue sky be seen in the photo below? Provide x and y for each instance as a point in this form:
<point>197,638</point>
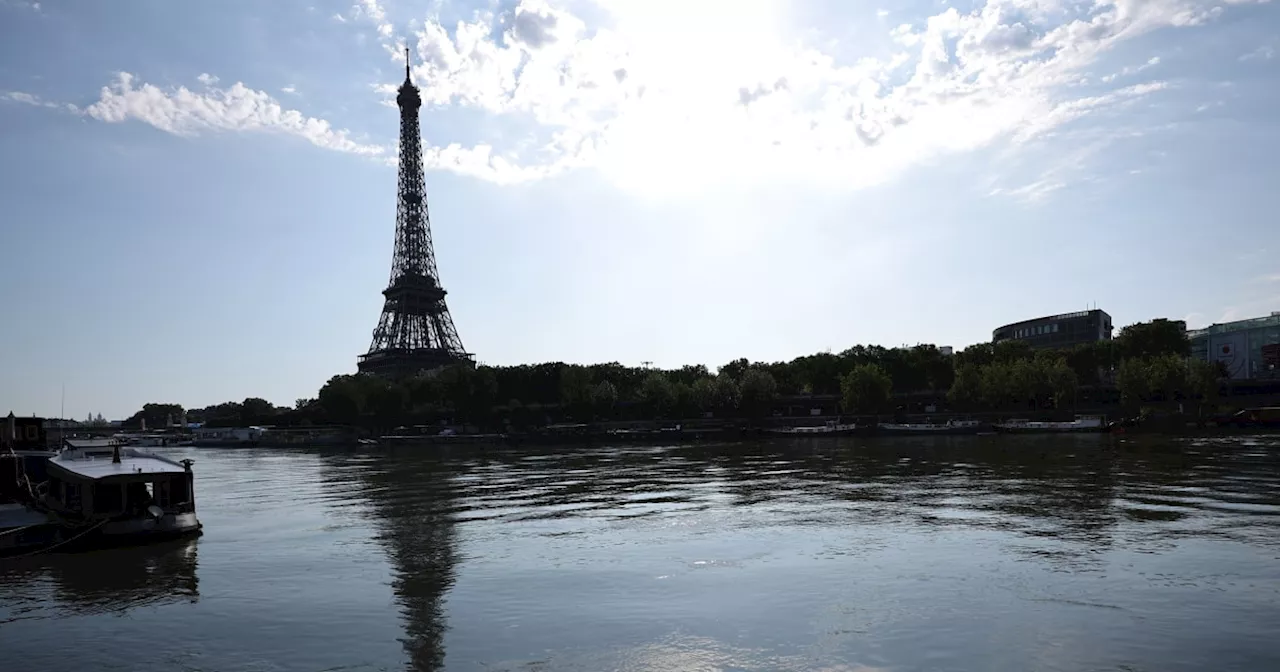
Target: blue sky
<point>199,203</point>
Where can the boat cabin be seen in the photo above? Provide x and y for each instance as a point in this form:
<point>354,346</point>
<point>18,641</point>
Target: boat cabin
<point>22,458</point>
<point>104,480</point>
<point>23,434</point>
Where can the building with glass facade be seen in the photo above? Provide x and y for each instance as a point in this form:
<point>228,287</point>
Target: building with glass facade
<point>1248,349</point>
<point>1058,331</point>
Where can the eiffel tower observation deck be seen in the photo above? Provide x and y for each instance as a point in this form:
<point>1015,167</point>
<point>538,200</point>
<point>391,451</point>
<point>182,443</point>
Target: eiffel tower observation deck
<point>415,332</point>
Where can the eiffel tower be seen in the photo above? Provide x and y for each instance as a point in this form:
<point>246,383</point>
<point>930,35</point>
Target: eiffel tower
<point>415,332</point>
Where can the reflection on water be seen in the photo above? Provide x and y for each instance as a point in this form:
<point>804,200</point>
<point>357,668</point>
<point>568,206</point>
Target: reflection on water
<point>960,553</point>
<point>413,501</point>
<point>111,581</point>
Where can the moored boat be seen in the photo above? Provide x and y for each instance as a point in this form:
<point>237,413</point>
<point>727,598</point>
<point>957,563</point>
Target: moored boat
<point>831,428</point>
<point>1081,423</point>
<point>99,493</point>
<point>948,428</point>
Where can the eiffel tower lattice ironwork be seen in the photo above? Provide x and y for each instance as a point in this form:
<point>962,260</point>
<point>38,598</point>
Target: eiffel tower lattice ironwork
<point>415,332</point>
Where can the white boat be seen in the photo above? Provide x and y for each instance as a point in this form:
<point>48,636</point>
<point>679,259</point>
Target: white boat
<point>1082,423</point>
<point>934,428</point>
<point>831,428</point>
<point>244,437</point>
<point>99,493</point>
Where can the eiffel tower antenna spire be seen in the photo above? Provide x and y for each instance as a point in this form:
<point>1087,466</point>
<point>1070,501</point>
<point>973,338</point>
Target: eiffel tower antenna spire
<point>415,332</point>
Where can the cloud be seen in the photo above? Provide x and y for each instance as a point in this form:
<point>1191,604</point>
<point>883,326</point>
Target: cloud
<point>723,99</point>
<point>237,108</point>
<point>184,112</point>
<point>1264,53</point>
<point>739,102</point>
<point>1032,192</point>
<point>22,4</point>
<point>371,12</point>
<point>36,101</point>
<point>289,89</point>
<point>1151,63</point>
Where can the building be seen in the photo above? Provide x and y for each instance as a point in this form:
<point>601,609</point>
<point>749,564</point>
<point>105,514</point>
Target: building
<point>1058,331</point>
<point>1247,348</point>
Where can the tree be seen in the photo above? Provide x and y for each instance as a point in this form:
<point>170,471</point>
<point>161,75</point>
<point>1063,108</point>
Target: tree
<point>1087,361</point>
<point>473,391</point>
<point>735,369</point>
<point>966,388</point>
<point>1203,381</point>
<point>997,384</point>
<point>1166,377</point>
<point>865,389</point>
<point>1131,379</point>
<point>256,411</point>
<point>604,396</point>
<point>656,392</point>
<point>757,390</point>
<point>343,398</point>
<point>1150,340</point>
<point>155,415</point>
<point>704,393</point>
<point>575,388</point>
<point>1063,381</point>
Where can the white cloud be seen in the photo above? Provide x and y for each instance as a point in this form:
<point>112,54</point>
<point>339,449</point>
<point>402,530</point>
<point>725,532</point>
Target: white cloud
<point>372,12</point>
<point>1264,53</point>
<point>207,79</point>
<point>36,101</point>
<point>22,4</point>
<point>237,108</point>
<point>1151,63</point>
<point>289,89</point>
<point>183,112</point>
<point>721,96</point>
<point>1032,192</point>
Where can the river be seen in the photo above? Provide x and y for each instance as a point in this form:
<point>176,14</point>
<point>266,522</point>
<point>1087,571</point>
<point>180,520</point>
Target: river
<point>968,553</point>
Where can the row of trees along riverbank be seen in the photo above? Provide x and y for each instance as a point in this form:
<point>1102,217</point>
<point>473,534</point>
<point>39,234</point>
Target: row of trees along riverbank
<point>1147,364</point>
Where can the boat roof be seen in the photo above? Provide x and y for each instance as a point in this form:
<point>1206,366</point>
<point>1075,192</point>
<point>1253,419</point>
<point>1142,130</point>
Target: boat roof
<point>96,463</point>
<point>90,443</point>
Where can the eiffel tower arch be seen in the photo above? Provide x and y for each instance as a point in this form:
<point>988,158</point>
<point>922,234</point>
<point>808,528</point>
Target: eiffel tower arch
<point>415,332</point>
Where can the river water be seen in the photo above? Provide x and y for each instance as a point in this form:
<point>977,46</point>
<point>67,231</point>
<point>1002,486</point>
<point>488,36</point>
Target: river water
<point>987,553</point>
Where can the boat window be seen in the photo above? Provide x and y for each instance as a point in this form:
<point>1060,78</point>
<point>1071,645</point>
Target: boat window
<point>108,498</point>
<point>164,493</point>
<point>71,495</point>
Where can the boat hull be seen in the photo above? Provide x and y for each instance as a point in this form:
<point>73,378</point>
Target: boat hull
<point>134,532</point>
<point>970,430</point>
<point>1050,430</point>
<point>794,433</point>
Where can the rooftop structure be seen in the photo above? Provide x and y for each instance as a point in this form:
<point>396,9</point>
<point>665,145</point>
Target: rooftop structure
<point>1058,331</point>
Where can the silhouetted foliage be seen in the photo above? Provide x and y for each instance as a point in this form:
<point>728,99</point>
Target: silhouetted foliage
<point>985,376</point>
<point>865,389</point>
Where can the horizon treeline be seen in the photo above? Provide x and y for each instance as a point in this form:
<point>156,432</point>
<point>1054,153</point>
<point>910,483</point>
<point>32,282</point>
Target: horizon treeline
<point>1146,361</point>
